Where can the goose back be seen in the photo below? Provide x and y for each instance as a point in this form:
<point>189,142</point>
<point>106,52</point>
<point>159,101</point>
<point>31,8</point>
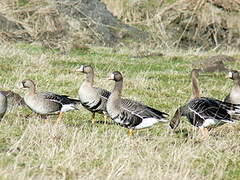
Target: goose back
<point>135,115</point>
<point>13,98</point>
<point>213,112</point>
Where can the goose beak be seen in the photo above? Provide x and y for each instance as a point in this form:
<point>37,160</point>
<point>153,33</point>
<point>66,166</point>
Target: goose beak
<point>111,77</point>
<point>80,69</point>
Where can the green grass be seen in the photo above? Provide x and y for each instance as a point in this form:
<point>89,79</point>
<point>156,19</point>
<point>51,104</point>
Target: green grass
<point>76,149</point>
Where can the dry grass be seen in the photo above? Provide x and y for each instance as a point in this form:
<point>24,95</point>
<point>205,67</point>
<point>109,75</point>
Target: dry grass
<point>76,149</point>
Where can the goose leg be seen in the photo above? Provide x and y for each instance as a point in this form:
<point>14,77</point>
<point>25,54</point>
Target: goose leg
<point>44,117</point>
<point>105,119</point>
<point>204,132</point>
<point>130,132</point>
<point>93,118</point>
<point>59,118</point>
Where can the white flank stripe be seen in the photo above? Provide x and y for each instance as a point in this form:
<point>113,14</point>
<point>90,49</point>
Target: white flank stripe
<point>147,122</point>
<point>68,107</point>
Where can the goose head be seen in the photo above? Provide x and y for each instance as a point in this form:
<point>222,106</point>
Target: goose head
<point>116,76</point>
<point>86,69</point>
<point>27,83</point>
<point>234,75</point>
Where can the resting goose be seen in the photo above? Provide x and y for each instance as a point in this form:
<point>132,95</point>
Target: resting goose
<point>234,96</point>
<point>204,112</point>
<point>13,98</point>
<point>3,105</point>
<point>47,103</point>
<point>92,98</point>
<point>128,113</point>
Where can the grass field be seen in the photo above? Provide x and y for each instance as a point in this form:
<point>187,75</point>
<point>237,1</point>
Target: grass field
<point>76,149</point>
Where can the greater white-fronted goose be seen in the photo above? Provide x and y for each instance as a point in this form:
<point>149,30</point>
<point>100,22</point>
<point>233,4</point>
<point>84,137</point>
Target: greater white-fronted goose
<point>47,103</point>
<point>3,105</point>
<point>13,98</point>
<point>204,112</point>
<point>128,113</point>
<point>92,98</point>
<point>234,96</point>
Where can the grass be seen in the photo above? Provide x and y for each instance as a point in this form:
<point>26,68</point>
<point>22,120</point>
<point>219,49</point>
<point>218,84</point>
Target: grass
<point>76,149</point>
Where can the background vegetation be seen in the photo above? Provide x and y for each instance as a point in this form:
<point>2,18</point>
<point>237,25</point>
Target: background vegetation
<point>155,72</point>
<point>76,149</point>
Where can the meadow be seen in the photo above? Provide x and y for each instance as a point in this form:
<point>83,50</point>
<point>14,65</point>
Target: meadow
<point>33,148</point>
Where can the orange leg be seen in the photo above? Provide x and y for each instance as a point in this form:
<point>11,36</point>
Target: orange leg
<point>205,133</point>
<point>130,132</point>
<point>59,117</point>
<point>93,118</point>
<point>105,119</point>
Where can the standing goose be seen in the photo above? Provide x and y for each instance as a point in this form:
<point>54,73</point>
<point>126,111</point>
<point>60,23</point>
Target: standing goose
<point>92,98</point>
<point>3,105</point>
<point>128,113</point>
<point>234,96</point>
<point>47,103</point>
<point>204,112</point>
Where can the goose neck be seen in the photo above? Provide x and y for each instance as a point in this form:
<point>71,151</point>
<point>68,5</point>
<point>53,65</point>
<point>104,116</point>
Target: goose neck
<point>118,88</point>
<point>89,78</point>
<point>237,82</point>
<point>195,88</point>
<point>32,90</point>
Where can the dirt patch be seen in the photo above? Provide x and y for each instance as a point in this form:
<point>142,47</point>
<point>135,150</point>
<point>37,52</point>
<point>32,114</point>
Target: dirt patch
<point>59,24</point>
<point>200,24</point>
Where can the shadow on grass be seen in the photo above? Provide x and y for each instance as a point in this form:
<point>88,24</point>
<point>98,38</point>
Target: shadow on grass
<point>89,123</point>
<point>182,133</point>
<point>105,122</point>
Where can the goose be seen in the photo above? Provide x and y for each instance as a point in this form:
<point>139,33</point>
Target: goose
<point>47,103</point>
<point>92,98</point>
<point>234,96</point>
<point>3,105</point>
<point>13,98</point>
<point>204,112</point>
<point>128,113</point>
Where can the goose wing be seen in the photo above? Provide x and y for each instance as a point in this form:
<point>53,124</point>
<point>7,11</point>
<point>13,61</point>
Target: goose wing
<point>209,108</point>
<point>141,110</point>
<point>103,93</point>
<point>60,99</point>
<point>133,112</point>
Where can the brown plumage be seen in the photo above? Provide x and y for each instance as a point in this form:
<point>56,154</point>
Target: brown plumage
<point>234,95</point>
<point>46,103</point>
<point>128,113</point>
<point>14,99</point>
<point>204,112</point>
<point>92,98</point>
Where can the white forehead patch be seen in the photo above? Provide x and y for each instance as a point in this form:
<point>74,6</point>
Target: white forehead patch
<point>112,76</point>
<point>20,85</point>
<point>81,68</point>
<point>230,74</point>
